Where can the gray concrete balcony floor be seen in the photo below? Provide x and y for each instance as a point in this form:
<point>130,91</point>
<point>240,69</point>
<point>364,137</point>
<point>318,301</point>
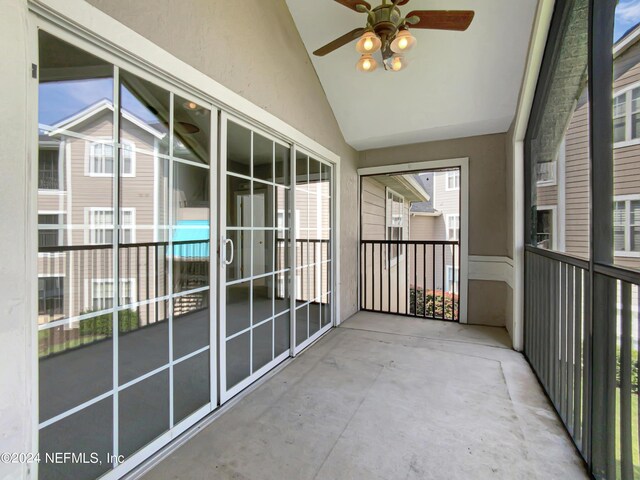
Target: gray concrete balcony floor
<point>388,397</point>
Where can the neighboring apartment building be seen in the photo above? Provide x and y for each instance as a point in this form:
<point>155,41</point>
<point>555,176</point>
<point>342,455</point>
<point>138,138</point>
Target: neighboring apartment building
<point>386,202</point>
<point>563,184</point>
<point>438,219</point>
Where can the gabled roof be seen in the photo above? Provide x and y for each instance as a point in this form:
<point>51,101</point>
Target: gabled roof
<point>627,40</point>
<point>93,110</point>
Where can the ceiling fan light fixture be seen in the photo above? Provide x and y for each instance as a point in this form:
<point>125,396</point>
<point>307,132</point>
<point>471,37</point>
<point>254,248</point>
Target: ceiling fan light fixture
<point>366,63</point>
<point>397,63</point>
<point>369,43</point>
<point>403,42</point>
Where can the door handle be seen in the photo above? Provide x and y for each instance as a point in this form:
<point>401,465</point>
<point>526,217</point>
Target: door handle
<point>228,241</point>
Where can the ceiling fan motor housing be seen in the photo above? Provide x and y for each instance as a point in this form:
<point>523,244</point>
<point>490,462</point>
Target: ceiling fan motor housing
<point>385,20</point>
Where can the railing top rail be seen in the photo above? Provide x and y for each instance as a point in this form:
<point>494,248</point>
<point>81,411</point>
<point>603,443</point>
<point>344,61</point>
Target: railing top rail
<point>560,257</point>
<point>412,242</point>
<point>108,246</point>
<point>618,273</point>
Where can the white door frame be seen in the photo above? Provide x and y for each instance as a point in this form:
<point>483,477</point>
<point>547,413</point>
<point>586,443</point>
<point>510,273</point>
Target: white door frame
<point>463,165</point>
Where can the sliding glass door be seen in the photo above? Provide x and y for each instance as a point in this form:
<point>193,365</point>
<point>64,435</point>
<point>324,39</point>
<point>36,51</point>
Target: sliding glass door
<point>255,262</point>
<point>124,311</point>
<point>269,225</point>
<point>127,303</point>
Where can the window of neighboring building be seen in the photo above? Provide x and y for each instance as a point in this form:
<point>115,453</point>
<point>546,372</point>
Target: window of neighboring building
<point>453,227</point>
<point>450,285</point>
<point>626,116</point>
<point>50,229</point>
<point>102,293</point>
<point>395,222</point>
<point>49,168</point>
<point>544,228</point>
<point>626,226</point>
<point>453,180</point>
<point>101,225</point>
<point>50,295</point>
<point>101,159</point>
<point>546,173</point>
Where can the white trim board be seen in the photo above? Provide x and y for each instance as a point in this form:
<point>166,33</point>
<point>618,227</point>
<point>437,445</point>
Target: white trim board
<point>496,269</point>
<point>537,44</point>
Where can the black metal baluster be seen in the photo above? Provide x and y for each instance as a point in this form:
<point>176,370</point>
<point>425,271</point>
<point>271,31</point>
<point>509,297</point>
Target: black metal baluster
<point>397,277</point>
<point>380,270</point>
<point>424,279</point>
<point>444,281</point>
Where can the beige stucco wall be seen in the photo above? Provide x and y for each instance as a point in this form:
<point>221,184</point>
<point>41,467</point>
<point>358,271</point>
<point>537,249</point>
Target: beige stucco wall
<point>488,210</point>
<point>487,187</point>
<point>253,48</point>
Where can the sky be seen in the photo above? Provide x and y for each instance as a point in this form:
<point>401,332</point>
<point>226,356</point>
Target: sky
<point>60,100</point>
<point>627,16</point>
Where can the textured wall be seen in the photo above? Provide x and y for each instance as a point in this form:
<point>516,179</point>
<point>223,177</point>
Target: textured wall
<point>253,48</point>
<point>487,184</point>
<point>488,209</point>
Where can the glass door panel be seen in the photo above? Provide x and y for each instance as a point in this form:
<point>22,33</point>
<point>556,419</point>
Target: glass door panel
<point>255,274</point>
<point>313,248</point>
<point>124,320</point>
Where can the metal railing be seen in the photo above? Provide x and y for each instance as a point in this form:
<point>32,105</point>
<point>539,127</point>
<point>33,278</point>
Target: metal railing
<point>78,280</point>
<point>556,335</point>
<point>415,278</point>
<point>583,344</point>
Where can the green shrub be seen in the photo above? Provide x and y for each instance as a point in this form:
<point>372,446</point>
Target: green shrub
<point>634,370</point>
<point>101,326</point>
<point>431,304</point>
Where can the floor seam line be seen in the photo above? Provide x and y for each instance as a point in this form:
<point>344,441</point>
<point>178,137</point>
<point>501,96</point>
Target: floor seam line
<point>427,338</point>
<point>364,397</point>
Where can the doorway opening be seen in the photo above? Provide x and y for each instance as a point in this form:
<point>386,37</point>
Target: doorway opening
<point>410,248</point>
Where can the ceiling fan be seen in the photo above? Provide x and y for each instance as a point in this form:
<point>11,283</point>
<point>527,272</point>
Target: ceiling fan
<point>387,30</point>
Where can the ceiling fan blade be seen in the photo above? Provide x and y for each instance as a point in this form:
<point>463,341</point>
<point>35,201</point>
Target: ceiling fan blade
<point>402,2</point>
<point>441,19</point>
<point>339,42</point>
<point>353,4</point>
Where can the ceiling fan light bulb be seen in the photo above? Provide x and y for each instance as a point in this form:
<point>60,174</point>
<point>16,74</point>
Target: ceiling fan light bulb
<point>366,64</point>
<point>368,43</point>
<point>403,42</point>
<point>398,63</point>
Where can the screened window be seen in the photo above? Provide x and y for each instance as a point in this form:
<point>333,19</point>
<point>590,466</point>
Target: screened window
<point>48,168</point>
<point>453,227</point>
<point>101,159</point>
<point>453,279</point>
<point>101,226</point>
<point>102,293</point>
<point>626,226</point>
<point>395,222</point>
<point>546,173</point>
<point>50,295</point>
<point>453,180</point>
<point>50,230</point>
<point>626,116</point>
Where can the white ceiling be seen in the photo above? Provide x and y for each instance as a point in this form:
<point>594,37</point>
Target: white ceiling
<point>457,84</point>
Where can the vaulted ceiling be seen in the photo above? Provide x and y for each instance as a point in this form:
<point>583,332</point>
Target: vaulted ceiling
<point>457,84</point>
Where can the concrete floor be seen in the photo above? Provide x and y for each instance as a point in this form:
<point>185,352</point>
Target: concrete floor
<point>384,397</point>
